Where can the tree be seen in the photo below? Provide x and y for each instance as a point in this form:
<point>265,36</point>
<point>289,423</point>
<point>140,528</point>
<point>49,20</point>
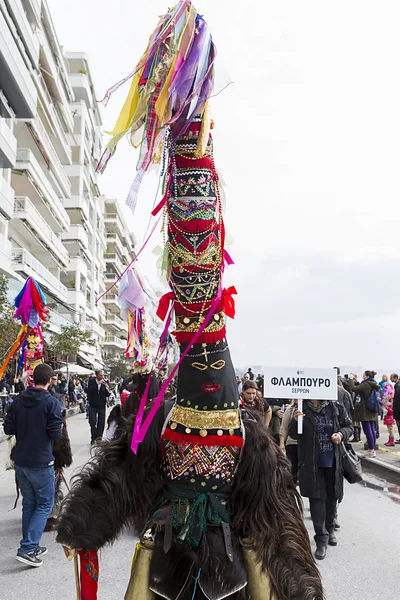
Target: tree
<point>9,327</point>
<point>117,366</point>
<point>68,342</point>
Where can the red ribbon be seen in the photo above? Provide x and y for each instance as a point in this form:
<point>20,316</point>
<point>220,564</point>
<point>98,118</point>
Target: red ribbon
<point>229,301</point>
<point>89,574</point>
<point>164,304</point>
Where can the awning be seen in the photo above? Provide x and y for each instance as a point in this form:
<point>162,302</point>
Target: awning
<point>90,361</point>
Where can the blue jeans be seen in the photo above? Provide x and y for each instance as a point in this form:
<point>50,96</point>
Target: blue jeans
<point>37,489</point>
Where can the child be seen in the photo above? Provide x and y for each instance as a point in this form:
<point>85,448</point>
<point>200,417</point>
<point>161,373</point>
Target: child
<point>389,420</point>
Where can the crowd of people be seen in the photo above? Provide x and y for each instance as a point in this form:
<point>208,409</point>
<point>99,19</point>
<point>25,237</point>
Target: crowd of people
<point>36,419</point>
<point>315,455</point>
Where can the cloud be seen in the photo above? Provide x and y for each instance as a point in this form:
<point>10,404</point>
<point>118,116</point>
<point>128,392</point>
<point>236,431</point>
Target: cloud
<point>307,141</point>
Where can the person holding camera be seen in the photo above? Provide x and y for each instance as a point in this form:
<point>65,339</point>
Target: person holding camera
<point>97,394</point>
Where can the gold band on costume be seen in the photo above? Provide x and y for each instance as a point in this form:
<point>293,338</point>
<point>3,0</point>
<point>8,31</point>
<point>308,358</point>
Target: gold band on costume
<point>138,588</point>
<point>196,419</point>
<point>258,581</point>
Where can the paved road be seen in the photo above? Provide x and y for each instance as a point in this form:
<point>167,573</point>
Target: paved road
<point>363,566</point>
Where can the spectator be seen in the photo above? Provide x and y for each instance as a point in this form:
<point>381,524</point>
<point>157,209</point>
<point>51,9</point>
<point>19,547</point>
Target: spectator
<point>55,394</point>
<point>250,374</point>
<point>129,380</point>
<point>4,386</point>
<point>367,418</point>
<point>35,420</point>
<point>394,378</point>
<point>98,393</point>
<point>387,406</point>
<point>253,402</point>
<point>71,392</point>
<point>19,385</point>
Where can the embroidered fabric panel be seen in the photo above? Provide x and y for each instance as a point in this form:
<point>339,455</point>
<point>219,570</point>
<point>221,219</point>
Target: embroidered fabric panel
<point>198,464</point>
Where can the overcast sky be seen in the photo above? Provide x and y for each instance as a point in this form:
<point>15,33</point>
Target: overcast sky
<point>308,142</point>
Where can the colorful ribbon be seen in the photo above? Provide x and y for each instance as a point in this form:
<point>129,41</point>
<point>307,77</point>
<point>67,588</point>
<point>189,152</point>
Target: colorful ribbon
<point>141,430</point>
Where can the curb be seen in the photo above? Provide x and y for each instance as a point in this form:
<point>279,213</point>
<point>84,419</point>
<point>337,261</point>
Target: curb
<point>380,468</point>
<point>71,412</point>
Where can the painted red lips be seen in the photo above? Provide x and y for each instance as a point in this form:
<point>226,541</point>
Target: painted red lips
<point>210,388</point>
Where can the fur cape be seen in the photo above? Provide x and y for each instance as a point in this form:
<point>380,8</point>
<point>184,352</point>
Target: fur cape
<point>116,489</point>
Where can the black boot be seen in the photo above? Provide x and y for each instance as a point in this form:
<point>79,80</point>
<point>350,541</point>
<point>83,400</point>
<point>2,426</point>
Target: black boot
<point>332,538</point>
<point>336,524</point>
<point>357,434</point>
<point>320,552</point>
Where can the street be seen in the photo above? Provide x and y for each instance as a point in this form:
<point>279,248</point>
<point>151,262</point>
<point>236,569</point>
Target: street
<point>363,565</point>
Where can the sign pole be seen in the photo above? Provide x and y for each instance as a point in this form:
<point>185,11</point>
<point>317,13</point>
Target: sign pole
<point>300,419</point>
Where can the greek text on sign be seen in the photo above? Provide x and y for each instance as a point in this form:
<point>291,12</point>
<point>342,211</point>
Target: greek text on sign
<point>288,383</point>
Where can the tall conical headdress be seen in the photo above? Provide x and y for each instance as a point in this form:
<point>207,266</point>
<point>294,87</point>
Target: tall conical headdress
<point>169,102</point>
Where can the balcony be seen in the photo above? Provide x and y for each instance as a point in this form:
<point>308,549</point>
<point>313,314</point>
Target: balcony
<point>114,259</point>
<point>78,203</point>
<point>76,299</point>
<point>5,256</point>
<point>114,224</point>
<point>49,110</point>
<point>56,321</point>
<point>112,341</point>
<point>78,265</point>
<point>16,82</point>
<point>114,322</point>
<point>6,199</point>
<point>55,164</point>
<point>77,233</point>
<point>81,86</point>
<point>35,185</point>
<point>25,33</point>
<point>94,327</point>
<point>24,262</point>
<point>52,71</point>
<point>30,224</point>
<point>8,146</point>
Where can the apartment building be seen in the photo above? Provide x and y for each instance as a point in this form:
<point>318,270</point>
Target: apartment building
<point>85,240</point>
<point>119,254</point>
<point>51,209</point>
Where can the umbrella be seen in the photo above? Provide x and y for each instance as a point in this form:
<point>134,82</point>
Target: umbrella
<point>74,369</point>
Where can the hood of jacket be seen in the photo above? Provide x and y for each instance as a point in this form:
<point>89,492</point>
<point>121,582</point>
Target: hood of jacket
<point>373,383</point>
<point>31,397</point>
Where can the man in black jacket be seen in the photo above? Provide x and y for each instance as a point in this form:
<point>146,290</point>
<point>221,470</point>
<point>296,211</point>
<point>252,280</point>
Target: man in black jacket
<point>35,420</point>
<point>129,380</point>
<point>97,395</point>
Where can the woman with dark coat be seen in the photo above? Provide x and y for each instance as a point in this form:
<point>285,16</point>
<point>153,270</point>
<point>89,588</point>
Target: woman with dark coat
<point>326,424</point>
<point>367,418</point>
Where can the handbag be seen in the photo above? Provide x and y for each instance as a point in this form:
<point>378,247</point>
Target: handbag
<point>351,464</point>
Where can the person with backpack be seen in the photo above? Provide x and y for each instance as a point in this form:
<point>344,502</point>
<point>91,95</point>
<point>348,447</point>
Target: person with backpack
<point>368,406</point>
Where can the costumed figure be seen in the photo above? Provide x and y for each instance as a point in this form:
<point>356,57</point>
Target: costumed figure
<point>202,483</point>
<point>134,294</point>
<point>31,311</point>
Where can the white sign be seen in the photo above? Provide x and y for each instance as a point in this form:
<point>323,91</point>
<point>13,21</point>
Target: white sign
<point>289,383</point>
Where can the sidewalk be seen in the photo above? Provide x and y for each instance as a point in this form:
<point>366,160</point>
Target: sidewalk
<point>387,461</point>
<point>70,413</point>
